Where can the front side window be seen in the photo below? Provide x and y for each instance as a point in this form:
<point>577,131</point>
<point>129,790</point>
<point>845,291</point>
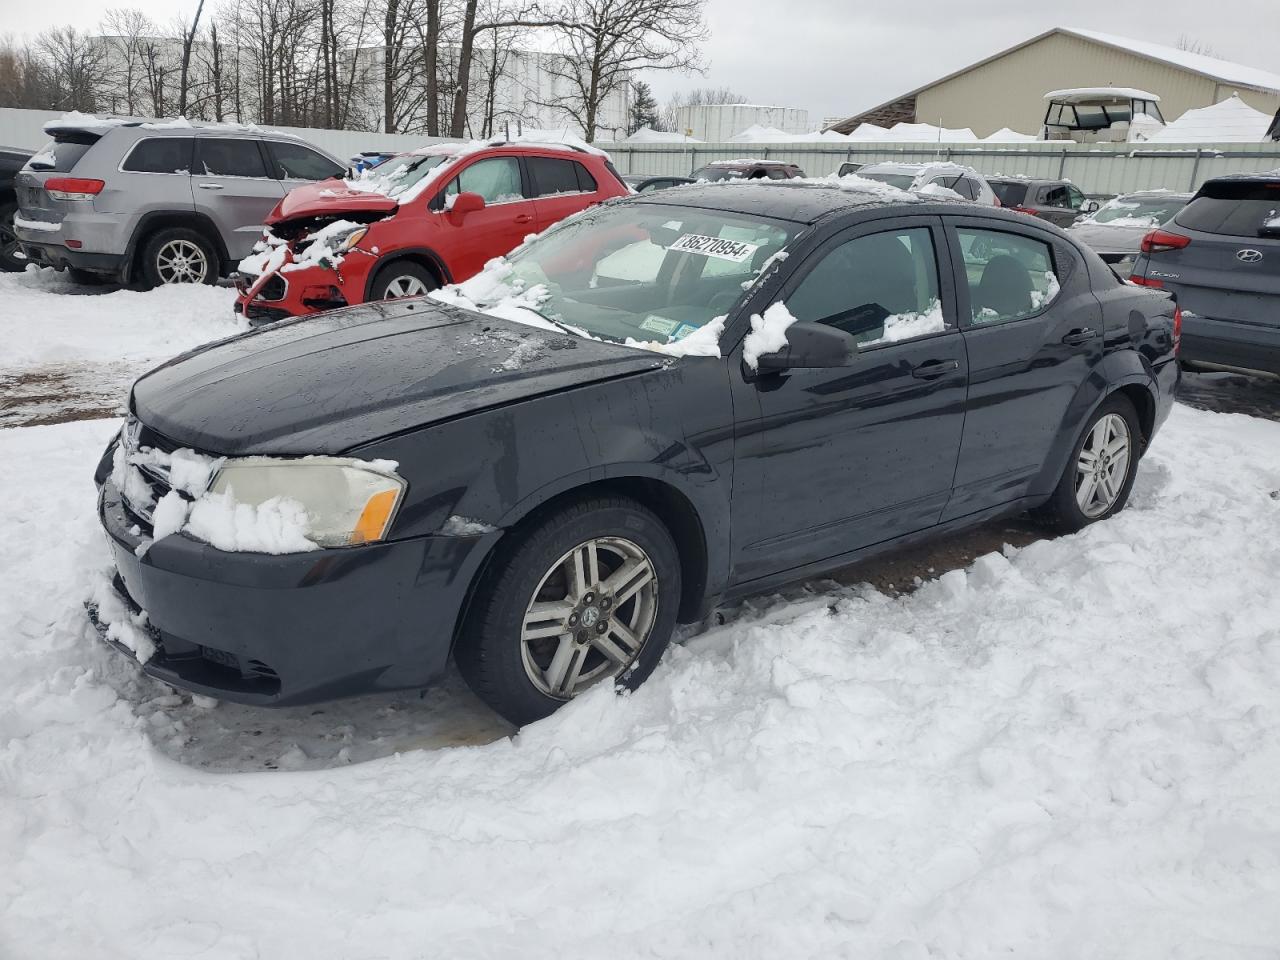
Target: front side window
<point>879,289</point>
<point>1075,199</point>
<point>1010,276</point>
<point>296,162</point>
<point>1054,197</point>
<point>497,179</point>
<point>648,272</point>
<point>228,158</point>
<point>160,155</point>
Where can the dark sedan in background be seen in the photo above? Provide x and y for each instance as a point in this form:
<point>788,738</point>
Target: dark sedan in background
<point>545,474</point>
<point>12,160</point>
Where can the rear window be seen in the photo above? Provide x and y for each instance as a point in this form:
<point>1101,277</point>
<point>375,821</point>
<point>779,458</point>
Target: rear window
<point>902,181</point>
<point>718,173</point>
<point>160,155</point>
<point>60,156</point>
<point>1010,194</point>
<point>1235,209</point>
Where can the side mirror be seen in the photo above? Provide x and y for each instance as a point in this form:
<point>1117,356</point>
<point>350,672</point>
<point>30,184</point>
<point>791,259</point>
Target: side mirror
<point>810,346</point>
<point>1090,206</point>
<point>463,204</point>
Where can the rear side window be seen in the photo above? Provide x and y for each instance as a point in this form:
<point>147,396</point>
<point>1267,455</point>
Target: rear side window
<point>879,289</point>
<point>293,161</point>
<point>1010,276</point>
<point>1235,209</point>
<point>160,155</point>
<point>1010,194</point>
<point>1055,197</point>
<point>552,176</point>
<point>228,158</point>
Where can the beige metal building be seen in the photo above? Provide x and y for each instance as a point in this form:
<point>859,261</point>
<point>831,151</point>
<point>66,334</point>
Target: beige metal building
<point>1007,89</point>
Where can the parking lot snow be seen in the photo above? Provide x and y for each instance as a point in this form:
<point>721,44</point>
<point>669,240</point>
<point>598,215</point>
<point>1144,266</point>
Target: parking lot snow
<point>1069,750</point>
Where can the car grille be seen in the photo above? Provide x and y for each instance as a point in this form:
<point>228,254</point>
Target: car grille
<point>138,436</point>
<point>274,289</point>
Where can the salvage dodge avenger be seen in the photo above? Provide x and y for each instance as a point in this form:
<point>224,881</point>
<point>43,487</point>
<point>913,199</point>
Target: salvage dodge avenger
<point>660,404</point>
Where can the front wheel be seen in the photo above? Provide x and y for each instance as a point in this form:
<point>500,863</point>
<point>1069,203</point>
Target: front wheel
<point>1101,471</point>
<point>588,595</point>
<point>402,279</point>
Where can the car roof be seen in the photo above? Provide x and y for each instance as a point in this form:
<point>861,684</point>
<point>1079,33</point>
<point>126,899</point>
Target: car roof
<point>800,201</point>
<point>748,163</point>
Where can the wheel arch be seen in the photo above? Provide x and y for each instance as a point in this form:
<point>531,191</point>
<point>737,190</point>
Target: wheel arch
<point>157,220</point>
<point>423,256</point>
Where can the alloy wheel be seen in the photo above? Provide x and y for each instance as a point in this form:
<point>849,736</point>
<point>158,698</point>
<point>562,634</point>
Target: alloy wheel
<point>407,286</point>
<point>589,617</point>
<point>1103,465</point>
<point>181,261</point>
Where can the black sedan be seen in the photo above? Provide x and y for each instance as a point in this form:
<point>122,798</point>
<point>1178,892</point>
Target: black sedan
<point>547,473</point>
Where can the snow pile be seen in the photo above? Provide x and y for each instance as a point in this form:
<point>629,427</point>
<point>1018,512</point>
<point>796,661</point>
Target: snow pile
<point>1229,121</point>
<point>1042,298</point>
<point>40,226</point>
<point>47,319</point>
<point>275,526</point>
<point>908,326</point>
<point>649,135</point>
<point>703,342</point>
<point>768,333</point>
<point>1059,752</point>
<point>938,191</point>
<point>320,246</point>
<point>1005,135</point>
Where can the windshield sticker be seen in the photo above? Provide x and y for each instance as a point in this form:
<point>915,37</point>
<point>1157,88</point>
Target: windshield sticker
<point>683,331</point>
<point>673,225</point>
<point>656,324</point>
<point>731,250</point>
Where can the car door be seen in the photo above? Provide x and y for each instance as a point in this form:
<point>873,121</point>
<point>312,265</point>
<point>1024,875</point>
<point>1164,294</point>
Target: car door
<point>295,164</point>
<point>507,218</point>
<point>1032,332</point>
<point>831,460</point>
<point>1054,205</point>
<point>559,186</point>
<point>233,188</point>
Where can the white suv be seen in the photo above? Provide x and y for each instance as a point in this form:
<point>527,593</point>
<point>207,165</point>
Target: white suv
<point>965,182</point>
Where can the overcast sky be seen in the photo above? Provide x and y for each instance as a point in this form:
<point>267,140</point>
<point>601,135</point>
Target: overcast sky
<point>837,57</point>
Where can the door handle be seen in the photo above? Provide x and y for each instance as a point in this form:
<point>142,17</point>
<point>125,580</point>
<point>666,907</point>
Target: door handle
<point>524,218</point>
<point>932,369</point>
<point>209,186</point>
<point>1077,337</point>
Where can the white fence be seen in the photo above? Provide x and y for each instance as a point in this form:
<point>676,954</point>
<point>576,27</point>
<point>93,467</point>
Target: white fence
<point>1103,169</point>
<point>23,128</point>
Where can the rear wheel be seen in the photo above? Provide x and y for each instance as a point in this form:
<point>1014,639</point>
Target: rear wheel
<point>1101,471</point>
<point>403,278</point>
<point>178,255</point>
<point>589,595</point>
<point>11,259</point>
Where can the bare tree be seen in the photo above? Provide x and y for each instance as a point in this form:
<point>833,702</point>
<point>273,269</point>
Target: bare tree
<point>603,42</point>
<point>184,73</point>
<point>1192,45</point>
<point>697,97</point>
<point>76,66</point>
<point>127,33</point>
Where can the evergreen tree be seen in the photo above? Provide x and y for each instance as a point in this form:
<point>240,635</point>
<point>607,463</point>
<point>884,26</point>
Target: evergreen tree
<point>644,109</point>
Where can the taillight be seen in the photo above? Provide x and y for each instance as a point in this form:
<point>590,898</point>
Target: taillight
<point>1158,241</point>
<point>1146,282</point>
<point>73,188</point>
<point>1027,210</point>
<point>1177,328</point>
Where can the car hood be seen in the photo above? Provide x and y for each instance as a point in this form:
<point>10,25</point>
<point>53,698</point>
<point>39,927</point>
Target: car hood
<point>329,198</point>
<point>1105,238</point>
<point>327,383</point>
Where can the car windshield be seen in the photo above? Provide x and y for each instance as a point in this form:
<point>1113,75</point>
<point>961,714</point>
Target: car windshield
<point>718,173</point>
<point>902,181</point>
<point>394,176</point>
<point>646,272</point>
<point>1135,211</point>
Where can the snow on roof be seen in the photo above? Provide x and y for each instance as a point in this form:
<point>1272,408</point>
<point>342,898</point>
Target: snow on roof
<point>90,123</point>
<point>1005,135</point>
<point>1230,121</point>
<point>758,134</point>
<point>1077,94</point>
<point>1223,70</point>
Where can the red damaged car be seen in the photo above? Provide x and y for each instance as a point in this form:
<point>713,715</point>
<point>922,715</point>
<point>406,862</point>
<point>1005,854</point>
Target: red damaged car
<point>414,223</point>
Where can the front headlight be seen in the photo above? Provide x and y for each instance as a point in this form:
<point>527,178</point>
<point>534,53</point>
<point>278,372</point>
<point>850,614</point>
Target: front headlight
<point>344,242</point>
<point>346,501</point>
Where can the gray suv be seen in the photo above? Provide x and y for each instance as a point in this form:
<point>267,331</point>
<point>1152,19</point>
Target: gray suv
<point>155,203</point>
<point>1058,201</point>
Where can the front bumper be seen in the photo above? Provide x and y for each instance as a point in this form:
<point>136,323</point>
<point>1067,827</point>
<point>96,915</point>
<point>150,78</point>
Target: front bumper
<point>303,291</point>
<point>297,628</point>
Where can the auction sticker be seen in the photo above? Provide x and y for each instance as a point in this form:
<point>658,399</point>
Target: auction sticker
<point>656,324</point>
<point>732,250</point>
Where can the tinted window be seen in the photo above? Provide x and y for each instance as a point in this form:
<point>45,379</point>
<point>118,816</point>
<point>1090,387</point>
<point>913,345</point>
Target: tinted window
<point>552,176</point>
<point>296,162</point>
<point>228,158</point>
<point>586,182</point>
<point>713,174</point>
<point>1010,194</point>
<point>967,188</point>
<point>60,156</point>
<point>1010,275</point>
<point>902,181</point>
<point>880,288</point>
<point>1055,197</point>
<point>497,179</point>
<point>160,155</point>
<point>1237,209</point>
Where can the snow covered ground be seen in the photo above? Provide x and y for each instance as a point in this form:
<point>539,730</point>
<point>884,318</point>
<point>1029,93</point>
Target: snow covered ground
<point>1068,750</point>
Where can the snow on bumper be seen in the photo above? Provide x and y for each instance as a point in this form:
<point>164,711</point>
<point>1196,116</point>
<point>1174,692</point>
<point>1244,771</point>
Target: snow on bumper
<point>294,628</point>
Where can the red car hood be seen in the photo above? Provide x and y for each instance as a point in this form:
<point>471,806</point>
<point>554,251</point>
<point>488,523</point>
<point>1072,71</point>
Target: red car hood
<point>328,198</point>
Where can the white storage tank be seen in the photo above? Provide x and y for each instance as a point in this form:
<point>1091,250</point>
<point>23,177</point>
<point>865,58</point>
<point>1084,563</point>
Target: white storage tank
<point>719,123</point>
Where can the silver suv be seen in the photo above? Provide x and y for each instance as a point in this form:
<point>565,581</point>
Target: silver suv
<point>155,203</point>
